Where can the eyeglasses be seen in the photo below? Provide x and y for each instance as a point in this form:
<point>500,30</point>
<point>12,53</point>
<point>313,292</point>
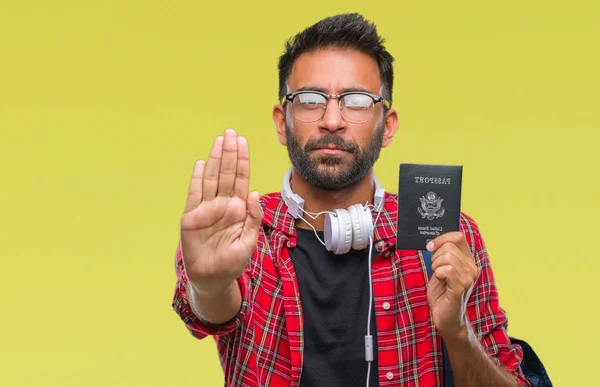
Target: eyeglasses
<point>356,107</point>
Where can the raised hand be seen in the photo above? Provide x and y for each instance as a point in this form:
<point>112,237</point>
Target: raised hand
<point>221,220</point>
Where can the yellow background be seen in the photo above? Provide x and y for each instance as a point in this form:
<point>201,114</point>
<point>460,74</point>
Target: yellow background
<point>105,106</point>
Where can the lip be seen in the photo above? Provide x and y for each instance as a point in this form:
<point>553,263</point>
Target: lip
<point>330,151</point>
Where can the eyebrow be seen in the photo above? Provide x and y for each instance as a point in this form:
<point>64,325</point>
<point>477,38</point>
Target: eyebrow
<point>345,90</point>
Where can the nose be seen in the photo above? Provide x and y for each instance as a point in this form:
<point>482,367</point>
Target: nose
<point>332,119</point>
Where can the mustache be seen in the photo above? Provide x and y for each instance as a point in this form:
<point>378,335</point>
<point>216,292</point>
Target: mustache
<point>331,139</point>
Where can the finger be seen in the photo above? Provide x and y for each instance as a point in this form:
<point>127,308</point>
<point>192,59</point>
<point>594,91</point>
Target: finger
<point>456,237</point>
<point>464,261</point>
<point>466,272</point>
<point>446,248</point>
<point>228,163</point>
<point>448,258</point>
<point>195,192</point>
<point>211,172</point>
<point>242,178</point>
<point>449,274</point>
<point>253,220</point>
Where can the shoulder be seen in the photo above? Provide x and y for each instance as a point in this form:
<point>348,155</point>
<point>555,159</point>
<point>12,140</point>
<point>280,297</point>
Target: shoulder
<point>469,226</point>
<point>472,233</point>
<point>390,203</point>
<point>391,197</point>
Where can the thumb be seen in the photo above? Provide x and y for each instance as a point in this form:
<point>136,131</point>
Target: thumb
<point>254,218</point>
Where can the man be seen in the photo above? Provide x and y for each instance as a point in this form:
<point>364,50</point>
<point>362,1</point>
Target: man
<point>285,310</point>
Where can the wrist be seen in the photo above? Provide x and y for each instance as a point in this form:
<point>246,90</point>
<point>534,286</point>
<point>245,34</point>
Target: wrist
<point>461,340</point>
<point>208,289</point>
<point>214,305</point>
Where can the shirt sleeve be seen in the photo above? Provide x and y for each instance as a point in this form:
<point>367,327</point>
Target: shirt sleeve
<point>488,319</point>
<point>198,328</point>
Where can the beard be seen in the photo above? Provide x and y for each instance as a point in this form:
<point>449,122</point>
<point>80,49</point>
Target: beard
<point>332,172</point>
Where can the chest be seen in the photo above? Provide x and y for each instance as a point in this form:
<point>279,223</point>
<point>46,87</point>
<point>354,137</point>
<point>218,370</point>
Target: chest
<point>275,331</point>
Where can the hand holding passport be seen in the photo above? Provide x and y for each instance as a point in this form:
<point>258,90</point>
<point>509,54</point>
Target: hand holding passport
<point>428,203</point>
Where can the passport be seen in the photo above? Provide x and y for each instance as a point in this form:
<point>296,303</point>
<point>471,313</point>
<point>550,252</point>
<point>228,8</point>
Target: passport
<point>428,203</point>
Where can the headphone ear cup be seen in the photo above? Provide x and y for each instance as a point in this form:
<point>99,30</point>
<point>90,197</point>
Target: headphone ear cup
<point>338,231</point>
<point>362,226</point>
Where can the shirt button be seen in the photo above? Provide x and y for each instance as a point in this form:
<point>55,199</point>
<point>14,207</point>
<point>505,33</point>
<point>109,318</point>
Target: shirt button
<point>389,376</point>
<point>386,305</point>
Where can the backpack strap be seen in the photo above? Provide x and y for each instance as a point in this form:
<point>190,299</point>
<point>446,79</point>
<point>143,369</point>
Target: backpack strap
<point>531,365</point>
<point>448,378</point>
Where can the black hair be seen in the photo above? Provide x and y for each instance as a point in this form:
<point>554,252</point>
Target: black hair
<point>346,31</point>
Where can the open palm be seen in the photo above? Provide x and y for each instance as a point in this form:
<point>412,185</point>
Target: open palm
<point>219,227</point>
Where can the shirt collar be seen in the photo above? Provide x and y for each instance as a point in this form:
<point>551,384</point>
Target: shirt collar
<point>276,218</point>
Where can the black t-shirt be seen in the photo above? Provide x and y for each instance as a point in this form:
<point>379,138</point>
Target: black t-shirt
<point>334,293</point>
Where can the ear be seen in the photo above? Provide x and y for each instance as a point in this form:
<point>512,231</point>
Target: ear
<point>391,126</point>
<point>279,120</point>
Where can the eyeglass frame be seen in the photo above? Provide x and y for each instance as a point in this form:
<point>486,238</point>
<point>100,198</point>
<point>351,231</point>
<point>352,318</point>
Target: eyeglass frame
<point>376,99</point>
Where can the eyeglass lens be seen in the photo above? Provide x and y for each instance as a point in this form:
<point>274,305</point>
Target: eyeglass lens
<point>355,108</point>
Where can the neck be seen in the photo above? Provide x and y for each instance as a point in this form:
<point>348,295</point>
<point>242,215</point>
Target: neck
<point>317,199</point>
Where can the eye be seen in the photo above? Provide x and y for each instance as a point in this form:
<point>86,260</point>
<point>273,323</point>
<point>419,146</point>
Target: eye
<point>310,100</point>
<point>357,101</point>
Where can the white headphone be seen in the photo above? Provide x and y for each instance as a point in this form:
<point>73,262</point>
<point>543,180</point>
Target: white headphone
<point>344,228</point>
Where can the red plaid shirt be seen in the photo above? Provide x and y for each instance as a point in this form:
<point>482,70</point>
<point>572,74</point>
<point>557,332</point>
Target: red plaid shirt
<point>263,345</point>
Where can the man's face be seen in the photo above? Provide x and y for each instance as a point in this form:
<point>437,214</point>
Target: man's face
<point>331,153</point>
